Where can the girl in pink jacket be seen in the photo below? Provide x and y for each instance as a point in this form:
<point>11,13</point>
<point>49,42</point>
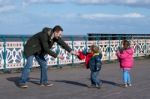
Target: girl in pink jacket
<point>125,56</point>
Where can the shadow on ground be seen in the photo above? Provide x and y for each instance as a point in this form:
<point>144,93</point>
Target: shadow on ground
<point>71,82</point>
<point>15,80</point>
<point>111,83</point>
<point>85,85</point>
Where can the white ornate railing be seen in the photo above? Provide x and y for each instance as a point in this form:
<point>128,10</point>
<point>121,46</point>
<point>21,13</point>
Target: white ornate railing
<point>11,53</point>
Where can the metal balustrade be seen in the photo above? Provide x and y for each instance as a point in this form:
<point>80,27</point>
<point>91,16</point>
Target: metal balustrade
<point>11,51</point>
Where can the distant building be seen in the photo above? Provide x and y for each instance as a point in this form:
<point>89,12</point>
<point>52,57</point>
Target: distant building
<point>113,36</point>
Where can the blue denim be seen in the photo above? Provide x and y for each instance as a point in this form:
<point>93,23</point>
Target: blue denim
<point>94,78</point>
<point>126,76</point>
<point>43,66</point>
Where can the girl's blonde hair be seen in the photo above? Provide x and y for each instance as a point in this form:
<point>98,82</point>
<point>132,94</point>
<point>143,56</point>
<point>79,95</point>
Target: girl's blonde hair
<point>95,49</point>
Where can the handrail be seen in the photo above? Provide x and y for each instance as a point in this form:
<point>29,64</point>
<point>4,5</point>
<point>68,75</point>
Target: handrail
<point>11,52</point>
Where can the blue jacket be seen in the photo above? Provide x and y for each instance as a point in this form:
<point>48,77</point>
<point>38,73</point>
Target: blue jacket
<point>95,62</point>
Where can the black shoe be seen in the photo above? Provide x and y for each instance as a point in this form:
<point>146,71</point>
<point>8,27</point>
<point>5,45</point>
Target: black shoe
<point>47,84</point>
<point>23,85</point>
<point>124,85</point>
<point>129,84</point>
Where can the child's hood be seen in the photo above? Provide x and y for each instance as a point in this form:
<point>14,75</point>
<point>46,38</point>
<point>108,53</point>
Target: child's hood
<point>98,54</point>
<point>129,51</point>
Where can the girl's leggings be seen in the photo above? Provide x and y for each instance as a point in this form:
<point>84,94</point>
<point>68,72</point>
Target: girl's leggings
<point>126,76</point>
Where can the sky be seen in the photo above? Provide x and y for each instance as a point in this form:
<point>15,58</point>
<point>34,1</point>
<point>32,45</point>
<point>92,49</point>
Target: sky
<point>77,17</point>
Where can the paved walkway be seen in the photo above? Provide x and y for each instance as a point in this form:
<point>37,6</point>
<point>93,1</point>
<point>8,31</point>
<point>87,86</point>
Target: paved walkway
<point>70,83</point>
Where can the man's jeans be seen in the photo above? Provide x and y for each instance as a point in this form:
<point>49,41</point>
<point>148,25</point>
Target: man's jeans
<point>43,66</point>
<point>94,78</point>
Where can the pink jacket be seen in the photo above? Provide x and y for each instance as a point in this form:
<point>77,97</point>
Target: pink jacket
<point>126,58</point>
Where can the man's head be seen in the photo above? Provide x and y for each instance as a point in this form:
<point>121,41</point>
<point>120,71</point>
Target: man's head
<point>57,31</point>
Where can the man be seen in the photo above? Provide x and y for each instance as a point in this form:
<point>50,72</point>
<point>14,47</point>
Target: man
<point>38,46</point>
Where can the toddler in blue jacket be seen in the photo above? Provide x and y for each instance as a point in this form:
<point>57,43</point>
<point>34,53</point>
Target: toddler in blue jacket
<point>95,65</point>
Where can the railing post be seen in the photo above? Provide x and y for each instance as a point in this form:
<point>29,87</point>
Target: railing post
<point>86,43</point>
<point>119,44</point>
<point>109,49</point>
<point>57,52</point>
<point>120,41</point>
<point>72,41</point>
<point>4,54</point>
<point>145,49</point>
<point>137,48</point>
<point>23,40</point>
<point>127,37</point>
<point>97,40</point>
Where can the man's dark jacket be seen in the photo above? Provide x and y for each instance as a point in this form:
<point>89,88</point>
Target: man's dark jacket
<point>41,43</point>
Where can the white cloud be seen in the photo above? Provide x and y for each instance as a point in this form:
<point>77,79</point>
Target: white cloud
<point>27,2</point>
<point>2,2</point>
<point>93,1</point>
<point>98,16</point>
<point>7,5</point>
<point>142,3</point>
<point>92,16</point>
<point>133,15</point>
<point>7,8</point>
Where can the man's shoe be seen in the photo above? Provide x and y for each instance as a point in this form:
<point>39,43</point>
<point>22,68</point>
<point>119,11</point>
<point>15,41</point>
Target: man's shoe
<point>22,85</point>
<point>47,84</point>
<point>91,86</point>
<point>99,86</point>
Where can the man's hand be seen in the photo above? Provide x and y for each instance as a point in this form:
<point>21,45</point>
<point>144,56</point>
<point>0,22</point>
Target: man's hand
<point>74,53</point>
<point>61,57</point>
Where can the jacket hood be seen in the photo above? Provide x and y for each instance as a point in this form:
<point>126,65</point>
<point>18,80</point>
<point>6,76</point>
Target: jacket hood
<point>130,51</point>
<point>46,29</point>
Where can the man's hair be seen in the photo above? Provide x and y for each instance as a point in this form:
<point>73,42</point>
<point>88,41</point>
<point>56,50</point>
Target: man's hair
<point>95,49</point>
<point>57,28</point>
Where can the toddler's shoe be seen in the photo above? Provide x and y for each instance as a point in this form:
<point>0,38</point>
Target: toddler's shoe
<point>129,85</point>
<point>47,84</point>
